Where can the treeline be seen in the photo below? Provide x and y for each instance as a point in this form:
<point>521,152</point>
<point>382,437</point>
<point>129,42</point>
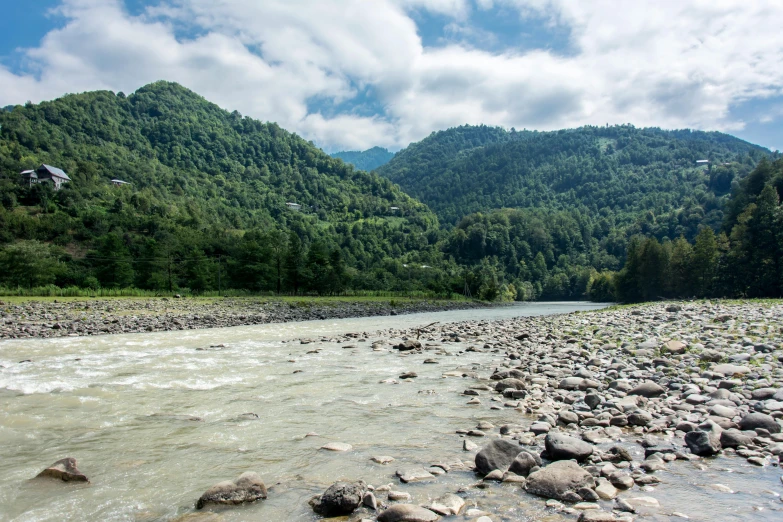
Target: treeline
<point>742,260</point>
<point>368,160</point>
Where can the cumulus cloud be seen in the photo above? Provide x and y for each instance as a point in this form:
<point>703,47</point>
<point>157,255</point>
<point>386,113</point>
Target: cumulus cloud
<point>309,64</point>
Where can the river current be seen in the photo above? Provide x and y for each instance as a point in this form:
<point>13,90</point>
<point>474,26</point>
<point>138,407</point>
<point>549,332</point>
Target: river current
<point>126,407</point>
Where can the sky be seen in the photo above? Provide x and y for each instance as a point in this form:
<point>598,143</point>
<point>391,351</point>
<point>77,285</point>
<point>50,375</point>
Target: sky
<point>352,74</point>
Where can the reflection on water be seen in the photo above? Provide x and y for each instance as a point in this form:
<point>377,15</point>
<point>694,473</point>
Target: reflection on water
<point>124,407</point>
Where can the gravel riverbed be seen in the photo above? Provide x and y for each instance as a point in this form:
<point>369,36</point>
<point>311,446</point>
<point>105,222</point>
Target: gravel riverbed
<point>127,315</point>
<point>608,403</point>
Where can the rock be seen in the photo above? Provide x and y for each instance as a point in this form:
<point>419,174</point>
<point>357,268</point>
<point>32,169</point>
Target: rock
<point>647,502</point>
<point>468,445</point>
<point>399,495</point>
<point>731,369</point>
<point>512,383</point>
<point>523,463</point>
<point>568,417</point>
<point>65,470</point>
<point>605,489</point>
<point>337,446</point>
<point>705,441</point>
<point>495,475</point>
<point>407,513</point>
<point>558,479</point>
<point>734,438</point>
<point>370,501</point>
<point>414,475</point>
<point>753,421</point>
<point>382,459</point>
<point>498,454</point>
<point>640,418</point>
<point>408,375</point>
<point>341,498</point>
<point>595,515</point>
<point>449,504</point>
<point>408,345</point>
<point>563,447</point>
<point>647,389</point>
<point>675,347</point>
<point>247,488</point>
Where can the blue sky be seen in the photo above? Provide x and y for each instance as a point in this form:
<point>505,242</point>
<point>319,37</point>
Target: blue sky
<point>351,74</point>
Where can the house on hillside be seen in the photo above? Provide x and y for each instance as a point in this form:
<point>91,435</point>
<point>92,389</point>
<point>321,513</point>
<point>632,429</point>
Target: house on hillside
<point>46,174</point>
<point>293,206</point>
<point>119,182</point>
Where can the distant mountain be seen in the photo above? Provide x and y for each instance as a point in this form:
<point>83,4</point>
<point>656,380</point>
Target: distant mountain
<point>368,160</point>
<point>8,108</point>
<point>620,172</point>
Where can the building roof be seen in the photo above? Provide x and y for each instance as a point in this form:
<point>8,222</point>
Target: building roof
<point>120,182</point>
<point>54,171</point>
<point>28,174</point>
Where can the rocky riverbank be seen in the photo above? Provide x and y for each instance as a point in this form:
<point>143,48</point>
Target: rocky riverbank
<point>127,315</point>
<point>608,404</point>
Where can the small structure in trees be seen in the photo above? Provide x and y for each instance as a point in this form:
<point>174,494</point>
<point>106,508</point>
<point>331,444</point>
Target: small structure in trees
<point>293,206</point>
<point>46,174</point>
<point>119,182</point>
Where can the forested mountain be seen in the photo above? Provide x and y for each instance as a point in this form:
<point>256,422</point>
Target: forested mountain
<point>618,172</point>
<point>208,192</point>
<point>368,160</point>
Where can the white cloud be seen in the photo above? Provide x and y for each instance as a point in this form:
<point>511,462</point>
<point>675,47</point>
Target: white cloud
<point>653,62</point>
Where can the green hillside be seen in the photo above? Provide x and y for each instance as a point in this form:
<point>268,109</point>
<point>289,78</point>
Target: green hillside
<point>368,160</point>
<point>618,172</point>
<point>208,192</point>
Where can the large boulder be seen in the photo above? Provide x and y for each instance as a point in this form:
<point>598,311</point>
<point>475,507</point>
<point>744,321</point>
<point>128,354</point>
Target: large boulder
<point>648,389</point>
<point>407,513</point>
<point>247,488</point>
<point>65,470</point>
<point>341,498</point>
<point>705,441</point>
<point>563,447</point>
<point>752,421</point>
<point>498,454</point>
<point>734,439</point>
<point>559,480</point>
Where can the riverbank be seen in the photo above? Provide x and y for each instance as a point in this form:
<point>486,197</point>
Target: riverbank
<point>614,405</point>
<point>22,318</point>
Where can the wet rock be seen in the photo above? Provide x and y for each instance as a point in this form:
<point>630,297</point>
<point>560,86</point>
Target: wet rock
<point>408,375</point>
<point>407,513</point>
<point>524,462</point>
<point>563,447</point>
<point>512,383</point>
<point>595,515</point>
<point>705,441</point>
<point>337,446</point>
<point>382,459</point>
<point>247,488</point>
<point>498,454</point>
<point>414,475</point>
<point>341,498</point>
<point>753,421</point>
<point>407,345</point>
<point>370,501</point>
<point>65,470</point>
<point>559,479</point>
<point>447,505</point>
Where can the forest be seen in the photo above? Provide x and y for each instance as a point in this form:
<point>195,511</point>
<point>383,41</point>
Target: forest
<point>216,201</point>
<point>368,160</point>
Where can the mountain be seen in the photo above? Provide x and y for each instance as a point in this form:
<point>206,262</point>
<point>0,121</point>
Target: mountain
<point>368,160</point>
<point>205,186</point>
<point>619,171</point>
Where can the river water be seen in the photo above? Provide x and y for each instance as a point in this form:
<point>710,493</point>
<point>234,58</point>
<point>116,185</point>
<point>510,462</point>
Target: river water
<point>121,405</point>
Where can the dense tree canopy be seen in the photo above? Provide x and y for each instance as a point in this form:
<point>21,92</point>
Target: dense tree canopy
<point>368,160</point>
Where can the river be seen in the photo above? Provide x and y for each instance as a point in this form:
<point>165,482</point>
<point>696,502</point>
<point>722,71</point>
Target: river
<point>120,405</point>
